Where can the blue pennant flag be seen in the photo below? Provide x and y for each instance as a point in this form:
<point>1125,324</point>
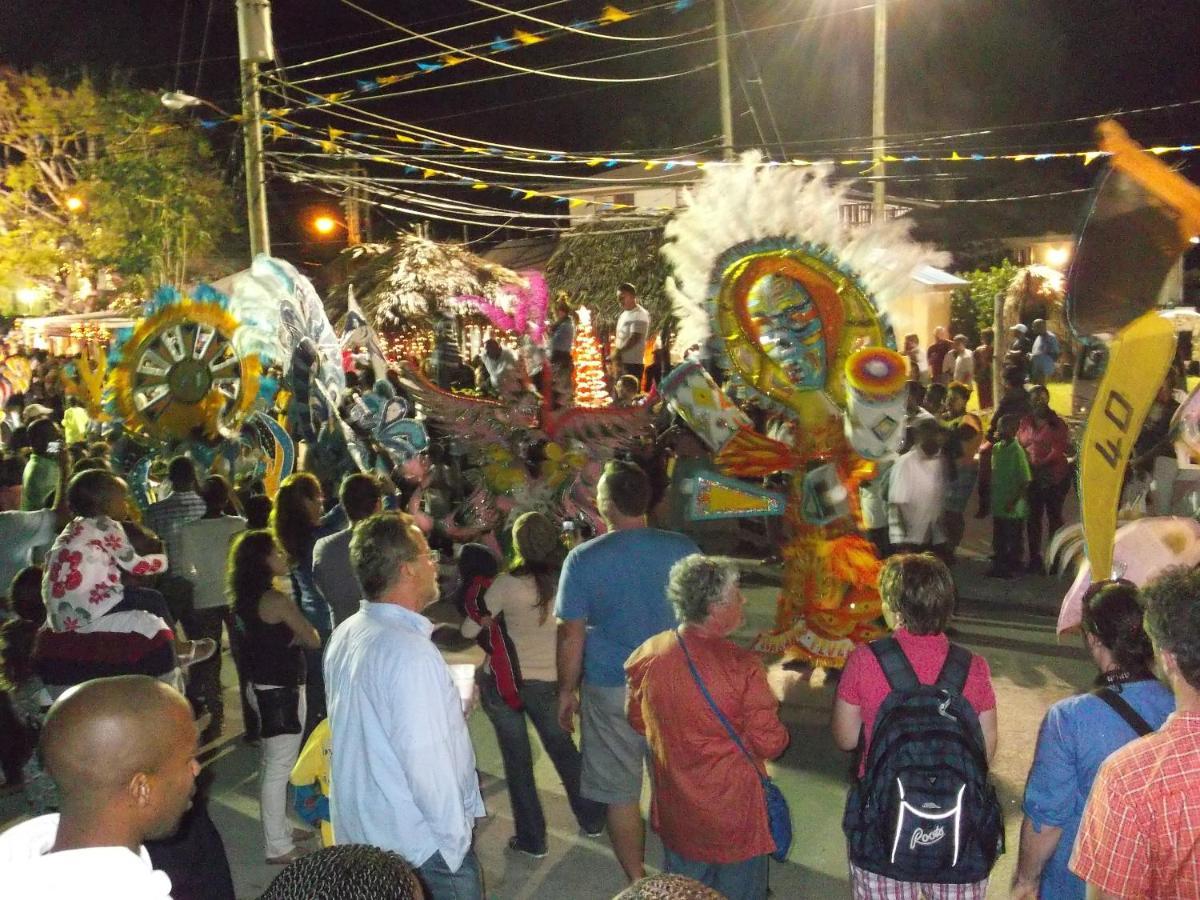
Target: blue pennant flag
<point>583,25</point>
<point>426,145</point>
<point>408,170</point>
<point>681,5</point>
<point>514,193</point>
<point>610,163</point>
<point>556,157</point>
<point>499,45</point>
<point>366,85</point>
<point>429,67</point>
<point>495,151</point>
<point>209,124</point>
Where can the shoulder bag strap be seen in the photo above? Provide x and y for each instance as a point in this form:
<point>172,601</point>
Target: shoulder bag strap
<point>1122,708</point>
<point>712,703</point>
<point>954,672</point>
<point>896,668</point>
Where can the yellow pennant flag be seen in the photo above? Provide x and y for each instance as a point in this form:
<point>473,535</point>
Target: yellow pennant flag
<point>429,173</point>
<point>1138,361</point>
<point>405,139</point>
<point>336,97</point>
<point>385,80</point>
<point>328,146</point>
<point>277,130</point>
<point>611,14</point>
<point>526,38</point>
<point>529,195</point>
<point>279,112</point>
<point>335,133</point>
<point>576,202</point>
<point>478,186</point>
<point>451,60</point>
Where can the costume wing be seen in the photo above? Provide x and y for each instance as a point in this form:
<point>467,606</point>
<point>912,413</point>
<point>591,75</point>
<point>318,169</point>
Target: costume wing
<point>479,423</point>
<point>603,430</point>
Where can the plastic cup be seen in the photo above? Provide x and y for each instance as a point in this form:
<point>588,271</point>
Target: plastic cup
<point>463,676</point>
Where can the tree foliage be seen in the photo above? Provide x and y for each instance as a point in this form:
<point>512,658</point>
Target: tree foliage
<point>145,189</point>
<point>972,308</point>
<point>595,257</point>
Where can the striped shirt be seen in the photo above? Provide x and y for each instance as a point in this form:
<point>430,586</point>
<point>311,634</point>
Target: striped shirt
<point>1140,834</point>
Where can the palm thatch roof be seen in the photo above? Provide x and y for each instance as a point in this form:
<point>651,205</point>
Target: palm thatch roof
<point>407,281</point>
<point>593,258</point>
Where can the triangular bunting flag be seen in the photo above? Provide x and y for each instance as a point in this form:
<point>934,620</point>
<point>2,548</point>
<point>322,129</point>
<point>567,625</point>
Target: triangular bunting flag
<point>612,14</point>
<point>526,38</point>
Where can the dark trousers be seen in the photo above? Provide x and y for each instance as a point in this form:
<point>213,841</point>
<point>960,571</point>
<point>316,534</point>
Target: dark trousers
<point>237,649</point>
<point>1006,544</point>
<point>635,369</point>
<point>204,679</point>
<point>512,733</point>
<point>1045,500</point>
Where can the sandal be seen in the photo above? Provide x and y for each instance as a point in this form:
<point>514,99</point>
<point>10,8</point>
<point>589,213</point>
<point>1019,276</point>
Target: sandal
<point>192,652</point>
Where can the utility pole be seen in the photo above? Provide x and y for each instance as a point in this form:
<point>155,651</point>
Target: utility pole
<point>256,46</point>
<point>353,207</point>
<point>723,83</point>
<point>879,115</point>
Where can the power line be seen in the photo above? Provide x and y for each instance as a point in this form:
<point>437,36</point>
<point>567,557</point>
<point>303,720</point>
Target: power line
<point>587,32</point>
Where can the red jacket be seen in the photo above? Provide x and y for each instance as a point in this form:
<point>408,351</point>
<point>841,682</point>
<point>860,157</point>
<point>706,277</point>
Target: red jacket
<point>1047,444</point>
<point>708,801</point>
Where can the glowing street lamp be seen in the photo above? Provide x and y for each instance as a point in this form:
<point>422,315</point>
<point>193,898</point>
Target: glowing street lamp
<point>324,225</point>
<point>74,204</point>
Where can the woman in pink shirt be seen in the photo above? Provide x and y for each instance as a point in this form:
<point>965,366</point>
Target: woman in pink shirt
<point>1047,443</point>
<point>918,599</point>
<point>708,804</point>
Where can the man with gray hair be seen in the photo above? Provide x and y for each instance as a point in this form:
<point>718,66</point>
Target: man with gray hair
<point>612,596</point>
<point>403,774</point>
<point>708,804</point>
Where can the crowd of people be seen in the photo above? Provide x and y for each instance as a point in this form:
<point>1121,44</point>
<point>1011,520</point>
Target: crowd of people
<point>617,649</point>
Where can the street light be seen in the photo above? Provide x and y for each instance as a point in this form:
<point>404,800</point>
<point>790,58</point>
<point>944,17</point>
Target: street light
<point>177,100</point>
<point>324,225</point>
<point>74,204</point>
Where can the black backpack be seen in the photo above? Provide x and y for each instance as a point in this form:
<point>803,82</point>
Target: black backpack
<point>924,810</point>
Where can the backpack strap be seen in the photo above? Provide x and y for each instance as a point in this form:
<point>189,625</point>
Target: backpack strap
<point>1122,708</point>
<point>896,668</point>
<point>953,676</point>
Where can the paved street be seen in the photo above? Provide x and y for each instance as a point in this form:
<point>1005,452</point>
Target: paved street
<point>1011,623</point>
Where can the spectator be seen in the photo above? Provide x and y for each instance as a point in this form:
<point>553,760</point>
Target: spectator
<point>1010,506</point>
<point>914,411</point>
<point>1139,832</point>
<point>611,599</point>
<point>25,595</point>
<point>918,600</point>
<point>258,511</point>
<point>1047,443</point>
<point>959,365</point>
<point>935,398</point>
<point>1020,344</point>
<point>708,804</point>
<point>12,470</point>
<point>346,872</point>
<point>1014,401</point>
<point>123,754</point>
<point>500,364</point>
<point>985,358</point>
<point>1044,353</point>
<point>42,473</point>
<point>203,548</point>
<point>25,702</point>
<point>361,498</point>
<point>662,886</point>
<point>297,524</point>
<point>184,504</point>
<point>75,422</point>
<point>403,767</point>
<point>275,633</point>
<point>1079,733</point>
<point>912,352</point>
<point>633,330</point>
<point>523,600</point>
<point>628,391</point>
<point>23,532</point>
<point>964,435</point>
<point>935,356</point>
<point>916,492</point>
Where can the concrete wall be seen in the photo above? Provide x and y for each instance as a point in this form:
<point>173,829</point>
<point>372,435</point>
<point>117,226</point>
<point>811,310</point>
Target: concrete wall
<point>919,311</point>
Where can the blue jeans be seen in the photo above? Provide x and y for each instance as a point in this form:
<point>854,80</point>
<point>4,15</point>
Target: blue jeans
<point>512,733</point>
<point>442,884</point>
<point>746,880</point>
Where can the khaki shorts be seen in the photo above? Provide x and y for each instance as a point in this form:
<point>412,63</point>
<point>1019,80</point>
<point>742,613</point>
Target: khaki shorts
<point>614,755</point>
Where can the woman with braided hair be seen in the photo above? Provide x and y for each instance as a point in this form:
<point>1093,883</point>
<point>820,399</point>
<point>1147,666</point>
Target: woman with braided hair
<point>1080,732</point>
<point>346,872</point>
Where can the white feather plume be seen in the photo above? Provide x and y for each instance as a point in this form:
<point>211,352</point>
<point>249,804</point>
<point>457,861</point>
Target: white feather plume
<point>757,201</point>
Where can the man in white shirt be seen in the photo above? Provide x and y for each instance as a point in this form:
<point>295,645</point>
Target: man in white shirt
<point>123,754</point>
<point>403,774</point>
<point>202,552</point>
<point>633,329</point>
<point>916,489</point>
<point>960,362</point>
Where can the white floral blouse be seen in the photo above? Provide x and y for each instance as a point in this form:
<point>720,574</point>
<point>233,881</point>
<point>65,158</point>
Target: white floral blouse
<point>83,571</point>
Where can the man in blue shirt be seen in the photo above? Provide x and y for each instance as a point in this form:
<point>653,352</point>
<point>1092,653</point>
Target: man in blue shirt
<point>403,774</point>
<point>1044,356</point>
<point>612,597</point>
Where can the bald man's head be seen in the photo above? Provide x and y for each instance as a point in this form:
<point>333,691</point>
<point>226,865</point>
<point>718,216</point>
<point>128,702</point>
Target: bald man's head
<point>123,747</point>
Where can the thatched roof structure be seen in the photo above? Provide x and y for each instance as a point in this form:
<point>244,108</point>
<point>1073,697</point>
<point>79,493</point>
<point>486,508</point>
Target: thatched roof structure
<point>407,281</point>
<point>1036,292</point>
<point>593,258</point>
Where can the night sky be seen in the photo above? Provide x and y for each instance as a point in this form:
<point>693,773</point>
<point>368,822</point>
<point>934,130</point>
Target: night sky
<point>954,66</point>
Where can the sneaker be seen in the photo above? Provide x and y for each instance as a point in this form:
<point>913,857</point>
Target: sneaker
<point>594,831</point>
<point>513,844</point>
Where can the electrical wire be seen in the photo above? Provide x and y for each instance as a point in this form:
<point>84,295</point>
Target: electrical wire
<point>758,79</point>
<point>406,40</point>
<point>546,73</point>
<point>586,32</point>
